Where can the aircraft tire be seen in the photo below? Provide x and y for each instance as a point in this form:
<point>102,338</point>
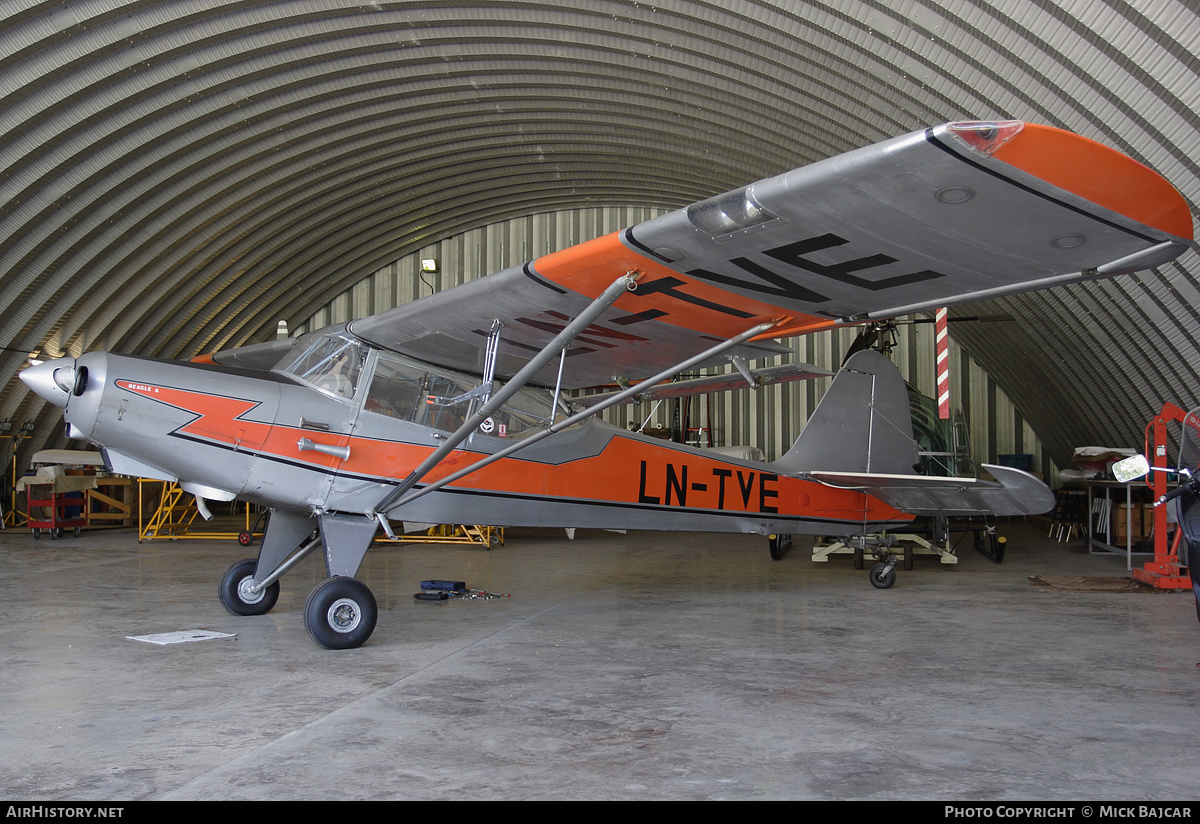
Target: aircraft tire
<point>882,576</point>
<point>236,599</point>
<point>340,613</point>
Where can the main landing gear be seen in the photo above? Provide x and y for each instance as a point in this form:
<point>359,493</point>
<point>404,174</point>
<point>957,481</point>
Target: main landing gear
<point>341,611</point>
<point>238,594</point>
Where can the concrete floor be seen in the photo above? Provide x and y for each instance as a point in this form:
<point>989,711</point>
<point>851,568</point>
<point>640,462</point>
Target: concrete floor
<point>639,666</point>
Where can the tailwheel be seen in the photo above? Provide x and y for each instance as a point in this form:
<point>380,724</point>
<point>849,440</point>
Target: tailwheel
<point>236,595</point>
<point>883,575</point>
<point>779,545</point>
<point>340,613</point>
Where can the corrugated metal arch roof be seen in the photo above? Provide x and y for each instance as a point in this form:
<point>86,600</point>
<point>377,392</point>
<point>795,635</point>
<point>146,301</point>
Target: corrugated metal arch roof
<point>178,176</point>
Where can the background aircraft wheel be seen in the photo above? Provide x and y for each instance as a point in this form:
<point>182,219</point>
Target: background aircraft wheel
<point>779,545</point>
<point>235,595</point>
<point>245,538</point>
<point>882,576</point>
<point>340,613</point>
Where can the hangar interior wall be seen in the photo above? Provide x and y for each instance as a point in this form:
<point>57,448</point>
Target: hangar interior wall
<point>770,418</point>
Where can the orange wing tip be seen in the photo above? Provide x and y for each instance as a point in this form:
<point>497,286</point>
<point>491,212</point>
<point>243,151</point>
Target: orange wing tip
<point>1083,167</point>
<point>204,359</point>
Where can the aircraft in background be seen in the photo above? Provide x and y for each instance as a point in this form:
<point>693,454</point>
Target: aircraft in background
<point>453,409</point>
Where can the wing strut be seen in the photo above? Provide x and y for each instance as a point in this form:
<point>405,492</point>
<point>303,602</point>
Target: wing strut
<point>626,283</point>
<point>393,501</point>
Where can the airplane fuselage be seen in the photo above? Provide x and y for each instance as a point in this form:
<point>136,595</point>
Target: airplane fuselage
<point>281,440</point>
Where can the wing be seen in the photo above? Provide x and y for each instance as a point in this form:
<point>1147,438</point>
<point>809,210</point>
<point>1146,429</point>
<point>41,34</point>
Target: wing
<point>955,213</point>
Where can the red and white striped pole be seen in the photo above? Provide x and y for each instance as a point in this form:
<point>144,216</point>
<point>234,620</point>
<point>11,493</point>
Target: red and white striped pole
<point>943,365</point>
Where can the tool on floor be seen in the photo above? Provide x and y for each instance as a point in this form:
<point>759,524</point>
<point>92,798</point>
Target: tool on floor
<point>436,590</point>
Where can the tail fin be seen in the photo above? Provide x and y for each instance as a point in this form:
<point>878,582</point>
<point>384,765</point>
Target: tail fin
<point>861,437</point>
<point>863,424</point>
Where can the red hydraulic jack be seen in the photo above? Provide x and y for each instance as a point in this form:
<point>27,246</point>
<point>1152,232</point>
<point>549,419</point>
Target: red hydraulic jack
<point>1165,571</point>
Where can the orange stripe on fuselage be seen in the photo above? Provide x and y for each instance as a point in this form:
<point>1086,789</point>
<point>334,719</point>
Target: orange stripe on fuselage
<point>633,472</point>
<point>1090,169</point>
<point>219,420</point>
<point>627,470</point>
<point>591,267</point>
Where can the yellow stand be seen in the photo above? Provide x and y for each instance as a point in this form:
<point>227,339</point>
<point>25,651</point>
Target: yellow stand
<point>487,536</point>
<point>174,516</point>
<point>12,516</point>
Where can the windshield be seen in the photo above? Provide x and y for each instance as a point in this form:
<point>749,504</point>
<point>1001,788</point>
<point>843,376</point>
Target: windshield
<point>332,363</point>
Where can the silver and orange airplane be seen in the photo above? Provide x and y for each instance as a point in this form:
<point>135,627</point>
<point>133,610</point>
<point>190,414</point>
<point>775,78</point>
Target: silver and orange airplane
<point>452,409</point>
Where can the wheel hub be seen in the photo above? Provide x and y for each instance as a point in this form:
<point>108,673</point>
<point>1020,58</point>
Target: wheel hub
<point>343,615</point>
<point>246,592</point>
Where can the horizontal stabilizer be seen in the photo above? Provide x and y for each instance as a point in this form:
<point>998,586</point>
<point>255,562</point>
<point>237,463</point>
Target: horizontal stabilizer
<point>1013,492</point>
<point>717,383</point>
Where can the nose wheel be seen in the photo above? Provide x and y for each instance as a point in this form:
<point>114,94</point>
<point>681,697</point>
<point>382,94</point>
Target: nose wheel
<point>340,613</point>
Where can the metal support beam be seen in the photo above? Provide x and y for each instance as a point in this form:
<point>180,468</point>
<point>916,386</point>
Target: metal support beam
<point>551,350</point>
<point>580,416</point>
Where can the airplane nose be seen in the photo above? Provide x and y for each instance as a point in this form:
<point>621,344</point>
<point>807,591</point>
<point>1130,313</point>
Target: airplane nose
<point>53,380</point>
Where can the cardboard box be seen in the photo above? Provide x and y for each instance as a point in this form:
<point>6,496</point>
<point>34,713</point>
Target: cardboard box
<point>1133,516</point>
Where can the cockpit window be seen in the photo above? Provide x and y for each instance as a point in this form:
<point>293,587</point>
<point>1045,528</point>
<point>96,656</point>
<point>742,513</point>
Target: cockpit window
<point>397,389</point>
<point>408,391</point>
<point>333,363</point>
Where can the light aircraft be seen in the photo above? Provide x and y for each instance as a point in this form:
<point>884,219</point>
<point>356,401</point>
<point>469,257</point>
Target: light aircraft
<point>451,409</point>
